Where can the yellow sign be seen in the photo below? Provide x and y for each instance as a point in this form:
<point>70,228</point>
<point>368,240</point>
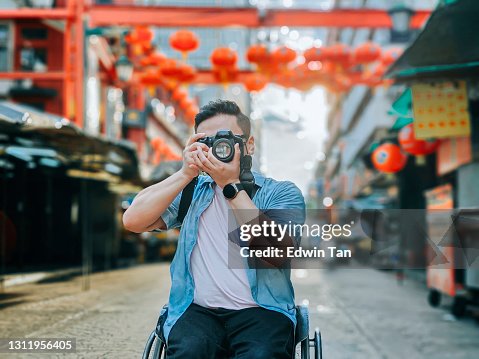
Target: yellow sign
<point>441,110</point>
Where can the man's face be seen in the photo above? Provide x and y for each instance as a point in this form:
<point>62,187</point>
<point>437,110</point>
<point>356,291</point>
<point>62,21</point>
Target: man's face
<point>224,122</point>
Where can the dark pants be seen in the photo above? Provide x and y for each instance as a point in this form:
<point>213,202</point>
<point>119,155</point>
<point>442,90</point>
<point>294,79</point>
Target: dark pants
<point>251,333</point>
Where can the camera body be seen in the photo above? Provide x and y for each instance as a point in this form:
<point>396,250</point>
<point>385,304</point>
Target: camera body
<point>223,143</point>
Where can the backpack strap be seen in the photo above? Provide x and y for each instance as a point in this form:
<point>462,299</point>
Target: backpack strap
<point>186,198</point>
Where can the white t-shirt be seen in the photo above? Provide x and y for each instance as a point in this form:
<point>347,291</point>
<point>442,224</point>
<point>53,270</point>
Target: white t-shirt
<point>216,285</point>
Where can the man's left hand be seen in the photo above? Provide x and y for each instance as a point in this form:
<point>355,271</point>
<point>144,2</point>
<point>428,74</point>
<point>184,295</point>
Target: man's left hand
<point>222,173</point>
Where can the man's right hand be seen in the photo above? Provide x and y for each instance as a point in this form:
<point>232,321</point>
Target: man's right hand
<point>189,168</point>
<point>144,214</point>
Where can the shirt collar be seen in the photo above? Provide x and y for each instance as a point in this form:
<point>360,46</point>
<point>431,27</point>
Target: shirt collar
<point>258,179</point>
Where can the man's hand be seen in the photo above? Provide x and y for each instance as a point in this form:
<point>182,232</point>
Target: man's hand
<point>190,168</point>
<point>221,172</point>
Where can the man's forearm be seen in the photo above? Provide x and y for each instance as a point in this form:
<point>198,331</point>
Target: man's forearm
<point>151,202</point>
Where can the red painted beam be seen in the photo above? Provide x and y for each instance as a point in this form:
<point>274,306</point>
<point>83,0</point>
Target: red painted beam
<point>19,75</point>
<point>28,13</point>
<point>101,15</point>
<point>339,18</point>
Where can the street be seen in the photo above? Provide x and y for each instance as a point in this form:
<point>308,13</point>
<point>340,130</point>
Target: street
<point>362,313</point>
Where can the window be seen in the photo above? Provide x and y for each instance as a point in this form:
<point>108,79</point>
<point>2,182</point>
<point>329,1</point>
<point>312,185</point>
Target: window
<point>34,33</point>
<point>4,50</point>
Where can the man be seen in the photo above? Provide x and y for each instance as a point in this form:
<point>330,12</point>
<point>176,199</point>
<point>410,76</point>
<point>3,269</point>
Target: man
<point>216,311</point>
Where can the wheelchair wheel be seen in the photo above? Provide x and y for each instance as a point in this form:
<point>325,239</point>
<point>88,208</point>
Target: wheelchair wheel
<point>318,348</point>
<point>149,344</point>
<point>159,349</point>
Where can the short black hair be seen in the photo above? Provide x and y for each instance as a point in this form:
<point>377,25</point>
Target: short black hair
<point>224,107</point>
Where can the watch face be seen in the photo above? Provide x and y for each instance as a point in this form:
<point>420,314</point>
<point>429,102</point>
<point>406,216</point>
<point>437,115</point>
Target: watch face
<point>229,191</point>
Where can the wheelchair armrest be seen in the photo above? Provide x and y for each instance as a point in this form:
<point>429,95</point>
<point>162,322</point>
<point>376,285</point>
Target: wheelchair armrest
<point>302,323</point>
<point>161,322</point>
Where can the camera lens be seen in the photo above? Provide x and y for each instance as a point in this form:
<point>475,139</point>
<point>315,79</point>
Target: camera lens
<point>222,150</point>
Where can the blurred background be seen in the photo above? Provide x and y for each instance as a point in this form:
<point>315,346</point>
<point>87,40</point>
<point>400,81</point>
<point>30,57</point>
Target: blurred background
<point>364,104</point>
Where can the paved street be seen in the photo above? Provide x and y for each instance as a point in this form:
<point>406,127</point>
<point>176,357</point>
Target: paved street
<point>362,314</point>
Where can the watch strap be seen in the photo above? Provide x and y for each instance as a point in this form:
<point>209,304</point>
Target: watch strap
<point>237,188</point>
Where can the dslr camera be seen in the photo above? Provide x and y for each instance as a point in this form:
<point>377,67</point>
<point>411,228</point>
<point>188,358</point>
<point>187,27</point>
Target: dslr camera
<point>223,145</point>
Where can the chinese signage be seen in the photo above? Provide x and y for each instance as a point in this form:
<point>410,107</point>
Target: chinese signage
<point>441,110</point>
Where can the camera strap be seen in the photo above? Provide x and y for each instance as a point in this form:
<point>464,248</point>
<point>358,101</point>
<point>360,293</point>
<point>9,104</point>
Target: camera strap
<point>246,176</point>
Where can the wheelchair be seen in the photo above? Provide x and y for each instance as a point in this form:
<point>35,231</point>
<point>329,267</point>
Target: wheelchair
<point>302,340</point>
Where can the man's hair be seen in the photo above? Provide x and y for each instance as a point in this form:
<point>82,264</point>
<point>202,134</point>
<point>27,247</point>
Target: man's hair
<point>224,107</point>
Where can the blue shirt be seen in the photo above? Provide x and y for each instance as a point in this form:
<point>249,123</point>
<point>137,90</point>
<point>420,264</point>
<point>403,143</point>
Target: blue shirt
<point>271,288</point>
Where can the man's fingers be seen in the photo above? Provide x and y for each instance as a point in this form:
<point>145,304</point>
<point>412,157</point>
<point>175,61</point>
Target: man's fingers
<point>205,161</point>
<point>203,146</point>
<point>195,145</point>
<point>194,138</point>
<point>196,160</point>
<point>212,158</point>
<point>237,153</point>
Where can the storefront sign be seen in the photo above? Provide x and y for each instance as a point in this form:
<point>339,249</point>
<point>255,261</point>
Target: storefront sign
<point>439,198</point>
<point>453,153</point>
<point>135,118</point>
<point>441,110</point>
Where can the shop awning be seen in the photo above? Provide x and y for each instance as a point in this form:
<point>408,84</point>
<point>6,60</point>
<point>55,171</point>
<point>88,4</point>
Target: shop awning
<point>30,135</point>
<point>446,48</point>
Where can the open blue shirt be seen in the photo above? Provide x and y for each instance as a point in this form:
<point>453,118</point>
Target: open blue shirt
<point>271,288</point>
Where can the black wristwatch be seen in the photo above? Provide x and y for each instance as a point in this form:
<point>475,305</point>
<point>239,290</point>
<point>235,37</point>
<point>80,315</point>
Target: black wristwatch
<point>231,190</point>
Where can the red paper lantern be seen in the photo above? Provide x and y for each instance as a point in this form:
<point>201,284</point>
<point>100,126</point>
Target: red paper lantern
<point>185,103</point>
<point>366,53</point>
<point>340,54</point>
<point>390,56</point>
<point>255,82</point>
<point>225,74</point>
<point>317,54</point>
<point>341,84</point>
<point>414,146</point>
<point>170,68</point>
<point>153,59</point>
<point>139,35</point>
<point>179,94</point>
<point>186,74</point>
<point>184,41</point>
<point>258,54</point>
<point>151,78</point>
<point>140,40</point>
<point>283,55</point>
<point>223,57</point>
<point>389,158</point>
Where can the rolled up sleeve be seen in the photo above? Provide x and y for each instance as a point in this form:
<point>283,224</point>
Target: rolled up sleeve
<point>170,215</point>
